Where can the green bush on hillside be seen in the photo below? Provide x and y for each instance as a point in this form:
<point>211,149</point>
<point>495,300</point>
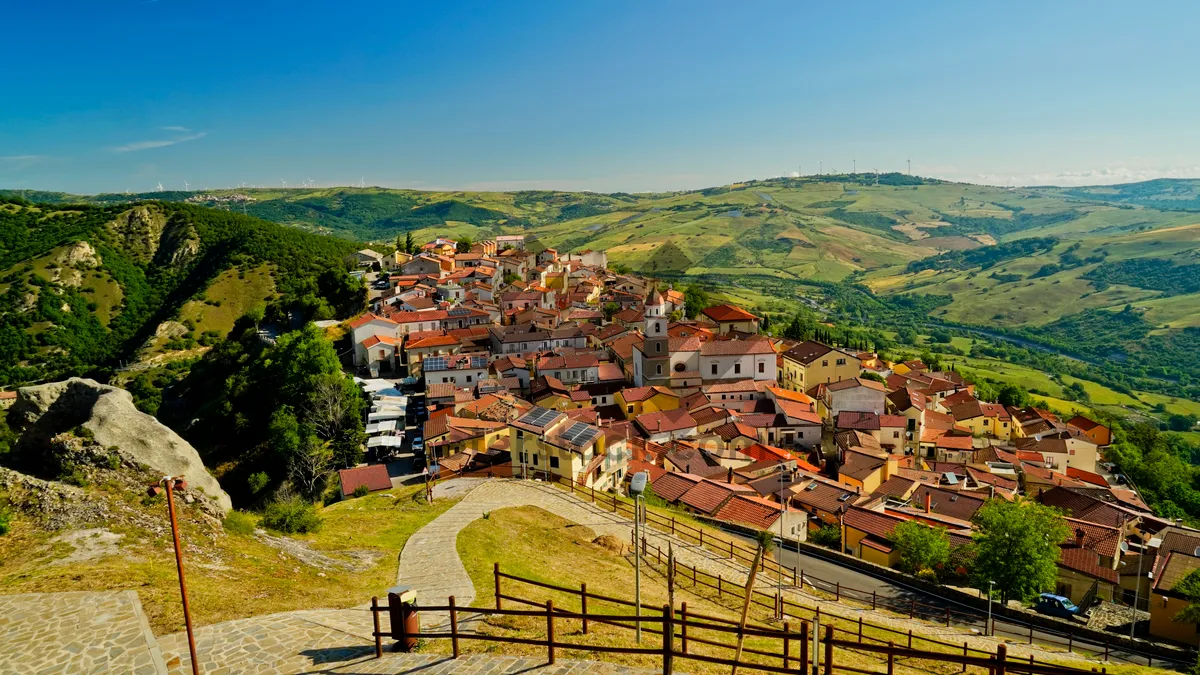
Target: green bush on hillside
<point>291,515</point>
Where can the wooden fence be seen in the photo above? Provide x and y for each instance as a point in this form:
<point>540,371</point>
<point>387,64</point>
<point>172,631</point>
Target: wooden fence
<point>678,630</point>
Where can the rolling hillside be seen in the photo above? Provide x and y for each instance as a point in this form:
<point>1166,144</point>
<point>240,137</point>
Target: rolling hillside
<point>86,288</point>
<point>1103,273</point>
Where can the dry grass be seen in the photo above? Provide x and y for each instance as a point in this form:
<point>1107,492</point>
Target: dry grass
<point>229,576</point>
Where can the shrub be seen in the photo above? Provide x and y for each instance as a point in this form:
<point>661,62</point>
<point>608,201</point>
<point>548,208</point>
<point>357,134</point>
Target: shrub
<point>362,491</point>
<point>928,575</point>
<point>257,481</point>
<point>291,515</point>
<point>70,473</point>
<point>239,522</point>
<point>5,520</point>
<point>828,536</point>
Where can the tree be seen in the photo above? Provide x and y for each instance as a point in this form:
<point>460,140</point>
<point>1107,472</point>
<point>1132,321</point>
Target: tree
<point>410,247</point>
<point>610,309</point>
<point>511,278</point>
<point>695,299</point>
<point>463,245</point>
<point>873,376</point>
<point>1179,422</point>
<point>765,325</point>
<point>309,466</point>
<point>920,546</point>
<point>1013,395</point>
<point>1017,546</point>
<point>333,402</point>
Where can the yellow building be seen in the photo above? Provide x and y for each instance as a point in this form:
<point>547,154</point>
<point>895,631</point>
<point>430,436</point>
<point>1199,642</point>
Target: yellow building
<point>984,419</point>
<point>865,535</point>
<point>1166,602</point>
<point>445,436</point>
<point>639,400</point>
<point>811,363</point>
<point>544,440</point>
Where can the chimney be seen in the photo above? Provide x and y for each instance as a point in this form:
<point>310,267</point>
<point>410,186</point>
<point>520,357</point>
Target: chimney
<point>928,501</point>
<point>1079,535</point>
<point>729,476</point>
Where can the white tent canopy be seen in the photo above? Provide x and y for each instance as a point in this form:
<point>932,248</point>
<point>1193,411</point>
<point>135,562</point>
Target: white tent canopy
<point>374,385</point>
<point>385,442</point>
<point>390,414</point>
<point>384,427</point>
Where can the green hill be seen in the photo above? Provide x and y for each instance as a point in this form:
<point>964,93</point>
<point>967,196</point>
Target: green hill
<point>84,287</point>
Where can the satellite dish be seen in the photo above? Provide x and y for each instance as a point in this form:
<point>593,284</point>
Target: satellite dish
<point>637,484</point>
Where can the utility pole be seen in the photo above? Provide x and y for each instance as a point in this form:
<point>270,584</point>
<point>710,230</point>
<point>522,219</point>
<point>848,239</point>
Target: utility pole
<point>1136,589</point>
<point>990,628</point>
<point>782,509</point>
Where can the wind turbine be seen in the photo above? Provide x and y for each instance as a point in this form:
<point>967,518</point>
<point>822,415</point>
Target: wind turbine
<point>362,182</point>
<point>185,186</point>
<point>160,187</point>
<point>284,183</point>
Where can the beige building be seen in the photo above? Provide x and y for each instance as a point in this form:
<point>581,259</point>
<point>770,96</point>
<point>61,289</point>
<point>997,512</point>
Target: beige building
<point>811,363</point>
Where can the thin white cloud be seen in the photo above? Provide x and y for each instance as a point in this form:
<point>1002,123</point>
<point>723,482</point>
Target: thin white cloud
<point>147,145</point>
<point>19,158</point>
<point>182,130</point>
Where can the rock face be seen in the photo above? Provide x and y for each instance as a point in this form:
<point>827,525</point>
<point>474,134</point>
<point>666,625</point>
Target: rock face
<point>45,410</point>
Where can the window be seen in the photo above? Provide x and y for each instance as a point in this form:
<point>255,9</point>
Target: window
<point>553,462</point>
<point>895,434</point>
<point>825,362</point>
<point>657,327</point>
<point>630,408</point>
<point>520,433</point>
<point>468,378</point>
<point>658,369</point>
<point>658,346</point>
<point>841,362</point>
<point>714,369</point>
<point>762,367</point>
<point>737,369</point>
<point>535,460</point>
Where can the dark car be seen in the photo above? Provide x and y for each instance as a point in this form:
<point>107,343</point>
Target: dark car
<point>1056,605</point>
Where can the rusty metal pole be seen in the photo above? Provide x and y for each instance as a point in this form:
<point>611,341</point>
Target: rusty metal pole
<point>187,613</point>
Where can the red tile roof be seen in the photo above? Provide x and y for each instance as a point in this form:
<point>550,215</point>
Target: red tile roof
<point>728,313</point>
<point>672,486</point>
<point>368,318</point>
<point>749,510</point>
<point>665,420</point>
<point>708,496</point>
<point>736,347</point>
<point>1086,476</point>
<point>375,477</point>
<point>872,522</point>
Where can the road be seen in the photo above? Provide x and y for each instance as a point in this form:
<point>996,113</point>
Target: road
<point>826,575</point>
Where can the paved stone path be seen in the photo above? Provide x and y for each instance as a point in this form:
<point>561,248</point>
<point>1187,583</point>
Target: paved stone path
<point>77,632</point>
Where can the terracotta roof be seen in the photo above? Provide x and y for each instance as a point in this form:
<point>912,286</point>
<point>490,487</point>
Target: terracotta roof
<point>890,421</point>
<point>644,393</point>
<point>1083,507</point>
<point>767,453</point>
<point>1086,476</point>
<point>956,504</point>
<point>872,522</point>
<point>671,486</point>
<point>749,510</point>
<point>736,347</point>
<point>986,478</point>
<point>896,486</point>
<point>950,442</point>
<point>377,339</point>
<point>690,343</point>
<point>807,352</point>
<point>665,420</point>
<point>375,477</point>
<point>432,341</point>
<point>1081,422</point>
<point>859,421</point>
<point>610,372</point>
<point>728,313</point>
<point>856,381</point>
<point>368,318</point>
<point>1175,568</point>
<point>440,390</point>
<point>858,465</point>
<point>739,386</point>
<point>707,496</point>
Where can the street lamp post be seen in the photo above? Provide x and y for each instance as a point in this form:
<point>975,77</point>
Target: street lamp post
<point>171,484</point>
<point>637,485</point>
<point>991,627</point>
<point>782,508</point>
<point>1137,587</point>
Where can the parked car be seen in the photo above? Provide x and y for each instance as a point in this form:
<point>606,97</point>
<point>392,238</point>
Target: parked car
<point>418,445</point>
<point>1056,605</point>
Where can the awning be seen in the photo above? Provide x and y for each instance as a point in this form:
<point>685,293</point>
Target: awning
<point>385,415</point>
<point>385,442</point>
<point>383,427</point>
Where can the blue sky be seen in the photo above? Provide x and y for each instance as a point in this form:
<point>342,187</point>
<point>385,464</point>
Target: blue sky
<point>108,95</point>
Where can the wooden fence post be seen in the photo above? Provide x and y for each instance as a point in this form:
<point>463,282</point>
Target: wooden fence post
<point>496,575</point>
<point>872,600</point>
<point>550,630</point>
<point>1030,633</point>
<point>838,595</point>
<point>453,627</point>
<point>668,631</point>
<point>683,623</point>
<point>910,638</point>
<point>795,580</point>
<point>828,650</point>
<point>375,618</point>
<point>947,616</point>
<point>1001,655</point>
<point>719,592</point>
<point>860,630</point>
<point>965,654</point>
<point>804,647</point>
<point>583,605</point>
<point>787,646</point>
<point>672,526</point>
<point>891,660</point>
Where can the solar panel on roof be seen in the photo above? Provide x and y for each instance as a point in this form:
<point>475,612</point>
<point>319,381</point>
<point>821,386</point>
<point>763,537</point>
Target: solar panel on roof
<point>951,479</point>
<point>435,363</point>
<point>479,361</point>
<point>539,417</point>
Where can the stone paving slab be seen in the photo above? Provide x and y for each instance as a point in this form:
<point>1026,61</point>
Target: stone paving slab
<point>77,632</point>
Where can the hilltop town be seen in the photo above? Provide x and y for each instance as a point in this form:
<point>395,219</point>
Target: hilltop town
<point>551,364</point>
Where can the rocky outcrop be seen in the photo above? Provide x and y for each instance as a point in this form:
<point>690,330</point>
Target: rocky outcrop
<point>149,236</point>
<point>44,411</point>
